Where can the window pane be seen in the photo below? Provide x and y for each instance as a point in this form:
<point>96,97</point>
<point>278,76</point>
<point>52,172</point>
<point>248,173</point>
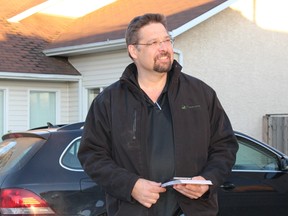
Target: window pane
<point>1,112</point>
<point>70,159</point>
<point>253,157</point>
<point>42,108</point>
<point>92,93</point>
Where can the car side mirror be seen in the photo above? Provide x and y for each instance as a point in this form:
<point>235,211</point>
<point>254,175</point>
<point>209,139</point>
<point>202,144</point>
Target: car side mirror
<point>284,163</point>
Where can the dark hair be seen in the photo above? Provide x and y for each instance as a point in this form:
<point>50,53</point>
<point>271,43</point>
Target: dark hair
<point>140,21</point>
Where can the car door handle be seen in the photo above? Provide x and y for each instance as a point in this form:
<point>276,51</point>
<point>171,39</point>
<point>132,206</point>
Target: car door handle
<point>228,186</point>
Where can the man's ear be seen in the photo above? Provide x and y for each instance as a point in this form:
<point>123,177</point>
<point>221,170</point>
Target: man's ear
<point>132,51</point>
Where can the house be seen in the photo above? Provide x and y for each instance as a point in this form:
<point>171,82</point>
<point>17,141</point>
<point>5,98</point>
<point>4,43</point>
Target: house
<point>53,62</point>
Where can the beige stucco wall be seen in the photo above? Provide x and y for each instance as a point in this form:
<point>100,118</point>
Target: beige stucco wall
<point>244,58</point>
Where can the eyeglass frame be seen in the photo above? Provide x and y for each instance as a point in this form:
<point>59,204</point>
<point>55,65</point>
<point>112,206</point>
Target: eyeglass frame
<point>155,44</point>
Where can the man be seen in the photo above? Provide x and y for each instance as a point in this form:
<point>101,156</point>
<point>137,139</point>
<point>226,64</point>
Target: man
<point>154,124</point>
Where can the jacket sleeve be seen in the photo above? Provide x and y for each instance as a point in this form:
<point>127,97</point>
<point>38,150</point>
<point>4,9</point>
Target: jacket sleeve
<point>96,155</point>
<point>223,144</point>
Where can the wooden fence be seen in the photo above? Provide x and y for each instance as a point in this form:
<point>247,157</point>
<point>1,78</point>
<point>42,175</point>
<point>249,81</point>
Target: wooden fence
<point>275,131</point>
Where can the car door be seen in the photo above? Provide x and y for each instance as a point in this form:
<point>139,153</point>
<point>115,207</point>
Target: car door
<point>258,184</point>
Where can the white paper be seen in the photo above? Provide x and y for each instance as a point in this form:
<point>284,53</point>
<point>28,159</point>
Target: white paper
<point>179,180</point>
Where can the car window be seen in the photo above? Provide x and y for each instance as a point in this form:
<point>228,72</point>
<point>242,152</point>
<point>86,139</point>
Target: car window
<point>69,159</point>
<point>252,156</point>
<point>17,151</point>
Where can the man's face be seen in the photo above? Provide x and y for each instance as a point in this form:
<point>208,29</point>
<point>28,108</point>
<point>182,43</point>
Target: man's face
<point>154,50</point>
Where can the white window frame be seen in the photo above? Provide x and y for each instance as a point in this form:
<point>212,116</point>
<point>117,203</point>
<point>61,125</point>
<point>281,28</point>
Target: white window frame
<point>4,107</point>
<point>86,106</point>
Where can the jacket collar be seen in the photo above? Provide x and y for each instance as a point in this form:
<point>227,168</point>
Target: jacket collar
<point>129,75</point>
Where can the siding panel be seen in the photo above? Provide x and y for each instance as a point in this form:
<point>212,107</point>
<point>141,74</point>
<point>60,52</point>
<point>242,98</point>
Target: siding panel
<point>101,70</point>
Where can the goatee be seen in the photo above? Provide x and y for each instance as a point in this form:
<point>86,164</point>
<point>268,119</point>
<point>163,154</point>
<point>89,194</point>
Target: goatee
<point>162,67</point>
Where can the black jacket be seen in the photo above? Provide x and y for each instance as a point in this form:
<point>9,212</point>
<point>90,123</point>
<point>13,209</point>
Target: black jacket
<point>113,146</point>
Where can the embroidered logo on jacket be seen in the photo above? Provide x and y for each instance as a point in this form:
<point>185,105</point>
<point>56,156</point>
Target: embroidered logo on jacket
<point>184,107</point>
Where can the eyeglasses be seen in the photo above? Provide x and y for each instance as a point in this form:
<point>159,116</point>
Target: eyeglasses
<point>156,44</point>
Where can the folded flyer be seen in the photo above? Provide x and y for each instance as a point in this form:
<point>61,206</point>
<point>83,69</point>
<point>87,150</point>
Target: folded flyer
<point>183,180</point>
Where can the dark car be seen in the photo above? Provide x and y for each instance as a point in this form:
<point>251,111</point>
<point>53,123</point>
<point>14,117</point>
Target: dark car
<point>258,184</point>
<point>41,175</point>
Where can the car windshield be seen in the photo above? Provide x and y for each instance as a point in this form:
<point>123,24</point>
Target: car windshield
<point>17,151</point>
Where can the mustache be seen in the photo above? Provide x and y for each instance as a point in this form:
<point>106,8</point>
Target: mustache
<point>163,54</point>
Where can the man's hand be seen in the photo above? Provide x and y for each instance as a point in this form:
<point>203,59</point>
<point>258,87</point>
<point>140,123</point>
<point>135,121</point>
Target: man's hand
<point>192,191</point>
<point>147,192</point>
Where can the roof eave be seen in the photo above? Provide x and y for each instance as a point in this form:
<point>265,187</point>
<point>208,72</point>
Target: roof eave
<point>39,77</point>
<point>201,18</point>
<point>109,45</point>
